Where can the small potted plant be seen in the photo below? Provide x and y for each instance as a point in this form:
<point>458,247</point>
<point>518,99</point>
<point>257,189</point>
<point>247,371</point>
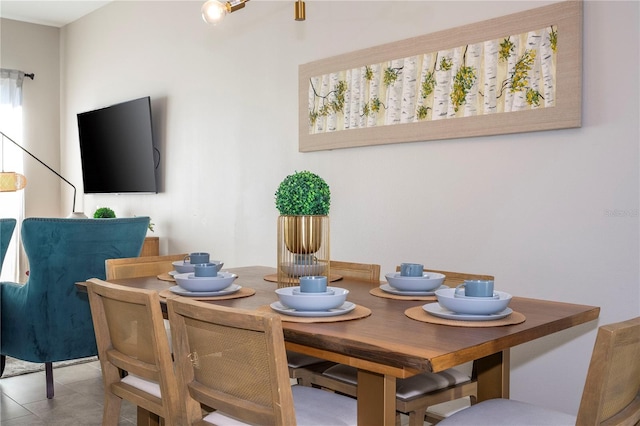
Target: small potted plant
<point>104,213</point>
<point>303,200</point>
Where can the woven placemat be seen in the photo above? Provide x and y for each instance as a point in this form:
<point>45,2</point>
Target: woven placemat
<point>243,292</point>
<point>419,314</point>
<point>166,277</point>
<point>357,313</point>
<point>296,281</point>
<point>378,292</point>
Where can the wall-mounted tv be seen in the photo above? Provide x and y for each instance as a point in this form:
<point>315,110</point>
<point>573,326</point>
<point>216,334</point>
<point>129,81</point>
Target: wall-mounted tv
<point>117,149</point>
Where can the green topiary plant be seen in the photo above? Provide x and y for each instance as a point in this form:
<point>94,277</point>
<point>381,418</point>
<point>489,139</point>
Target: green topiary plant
<point>303,193</point>
<point>104,213</point>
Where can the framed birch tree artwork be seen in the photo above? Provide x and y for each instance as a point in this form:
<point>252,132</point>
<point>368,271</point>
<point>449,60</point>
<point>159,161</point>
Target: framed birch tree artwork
<point>516,73</point>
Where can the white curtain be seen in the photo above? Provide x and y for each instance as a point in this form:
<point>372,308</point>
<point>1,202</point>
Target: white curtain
<point>11,203</point>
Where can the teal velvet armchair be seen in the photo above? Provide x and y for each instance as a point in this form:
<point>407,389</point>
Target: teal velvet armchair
<point>47,319</point>
<point>6,232</point>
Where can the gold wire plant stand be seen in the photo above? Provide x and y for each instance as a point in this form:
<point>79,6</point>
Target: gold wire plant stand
<point>303,248</point>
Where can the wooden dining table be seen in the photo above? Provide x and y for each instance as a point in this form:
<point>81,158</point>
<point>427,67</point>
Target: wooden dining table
<point>387,344</point>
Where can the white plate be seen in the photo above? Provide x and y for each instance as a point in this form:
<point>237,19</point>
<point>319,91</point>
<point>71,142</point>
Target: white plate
<point>438,311</point>
<point>182,292</point>
<point>345,308</point>
<point>387,288</point>
<point>173,273</point>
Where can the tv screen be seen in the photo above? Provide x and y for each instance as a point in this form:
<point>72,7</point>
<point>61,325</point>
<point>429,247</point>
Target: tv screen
<point>116,148</point>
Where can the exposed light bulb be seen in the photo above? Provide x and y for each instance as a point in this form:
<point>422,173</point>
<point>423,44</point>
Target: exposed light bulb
<point>213,11</point>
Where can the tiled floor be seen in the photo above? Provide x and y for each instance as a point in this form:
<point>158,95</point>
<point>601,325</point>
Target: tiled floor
<point>78,399</point>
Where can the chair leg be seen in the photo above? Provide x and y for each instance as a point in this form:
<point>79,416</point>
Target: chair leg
<point>416,418</point>
<point>111,411</point>
<point>398,419</point>
<point>48,371</point>
<point>146,418</point>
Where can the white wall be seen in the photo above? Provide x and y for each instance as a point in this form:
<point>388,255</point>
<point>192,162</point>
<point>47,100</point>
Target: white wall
<point>35,49</point>
<point>532,209</point>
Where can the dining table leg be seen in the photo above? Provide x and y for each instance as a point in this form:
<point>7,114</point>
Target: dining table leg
<point>376,399</point>
<point>492,373</point>
<point>147,418</point>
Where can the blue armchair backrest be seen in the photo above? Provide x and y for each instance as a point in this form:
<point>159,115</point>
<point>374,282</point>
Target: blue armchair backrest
<point>6,232</point>
<point>47,319</point>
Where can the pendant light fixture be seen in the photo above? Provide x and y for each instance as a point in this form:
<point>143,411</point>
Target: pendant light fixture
<point>299,12</point>
<point>214,11</point>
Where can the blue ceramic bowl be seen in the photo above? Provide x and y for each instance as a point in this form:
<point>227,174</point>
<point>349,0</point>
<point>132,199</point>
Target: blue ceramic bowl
<point>201,284</point>
<point>472,305</point>
<point>312,301</point>
<point>427,282</point>
<point>182,268</point>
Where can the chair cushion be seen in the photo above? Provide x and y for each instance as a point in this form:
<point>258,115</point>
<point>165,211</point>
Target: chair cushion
<point>298,360</point>
<point>409,388</point>
<point>322,408</point>
<point>145,385</point>
<point>220,419</point>
<point>314,407</point>
<point>507,412</point>
<point>167,329</point>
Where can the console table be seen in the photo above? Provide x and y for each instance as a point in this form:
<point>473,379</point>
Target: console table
<point>151,247</point>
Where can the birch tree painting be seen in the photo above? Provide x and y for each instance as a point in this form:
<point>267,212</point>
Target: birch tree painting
<point>516,73</point>
<point>512,73</point>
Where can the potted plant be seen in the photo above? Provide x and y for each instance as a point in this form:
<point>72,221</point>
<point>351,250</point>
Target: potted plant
<point>104,213</point>
<point>107,213</point>
<point>303,200</point>
<point>303,193</point>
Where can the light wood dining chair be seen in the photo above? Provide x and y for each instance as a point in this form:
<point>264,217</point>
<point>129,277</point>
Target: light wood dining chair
<point>131,338</point>
<point>234,361</point>
<point>143,266</point>
<point>416,394</point>
<point>146,266</point>
<point>357,271</point>
<point>611,395</point>
<point>303,367</point>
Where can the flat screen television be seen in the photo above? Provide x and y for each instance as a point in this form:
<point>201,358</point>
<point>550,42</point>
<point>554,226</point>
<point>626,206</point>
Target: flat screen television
<point>117,149</point>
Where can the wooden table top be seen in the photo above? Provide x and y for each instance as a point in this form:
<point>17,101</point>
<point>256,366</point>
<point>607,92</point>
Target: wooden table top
<point>388,337</point>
